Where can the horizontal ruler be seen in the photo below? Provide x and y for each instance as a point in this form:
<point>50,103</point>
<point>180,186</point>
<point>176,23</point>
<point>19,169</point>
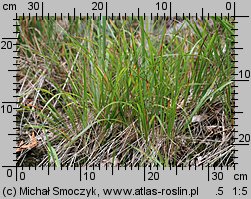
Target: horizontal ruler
<point>124,182</point>
<point>120,9</point>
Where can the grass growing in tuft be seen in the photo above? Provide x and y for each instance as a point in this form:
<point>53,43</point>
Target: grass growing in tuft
<point>127,91</point>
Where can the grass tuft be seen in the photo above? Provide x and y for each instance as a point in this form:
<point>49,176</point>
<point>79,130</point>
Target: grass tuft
<point>127,91</point>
